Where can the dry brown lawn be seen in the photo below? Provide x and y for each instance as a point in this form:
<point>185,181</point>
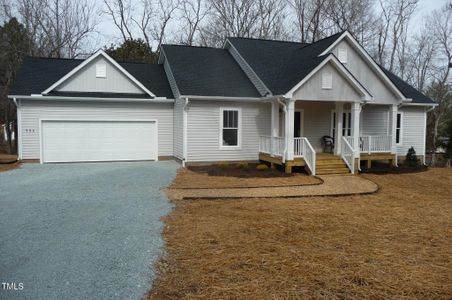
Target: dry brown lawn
<point>396,244</point>
<point>188,179</point>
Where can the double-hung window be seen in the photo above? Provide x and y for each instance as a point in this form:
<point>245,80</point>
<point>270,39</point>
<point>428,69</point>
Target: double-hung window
<point>399,129</point>
<point>230,128</point>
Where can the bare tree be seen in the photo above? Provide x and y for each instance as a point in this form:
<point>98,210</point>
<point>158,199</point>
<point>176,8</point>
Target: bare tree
<point>192,13</point>
<point>309,16</point>
<point>57,28</point>
<point>271,19</point>
<point>120,12</point>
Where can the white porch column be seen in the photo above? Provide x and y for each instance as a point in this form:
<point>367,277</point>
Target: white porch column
<point>355,114</point>
<point>338,137</point>
<point>393,128</point>
<point>290,119</point>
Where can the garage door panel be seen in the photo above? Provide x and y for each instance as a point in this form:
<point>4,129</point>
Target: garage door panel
<point>72,141</point>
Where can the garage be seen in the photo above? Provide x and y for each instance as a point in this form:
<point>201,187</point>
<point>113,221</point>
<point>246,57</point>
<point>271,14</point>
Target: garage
<point>86,140</point>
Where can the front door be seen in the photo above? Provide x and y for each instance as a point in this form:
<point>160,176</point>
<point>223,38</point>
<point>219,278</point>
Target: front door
<point>298,124</point>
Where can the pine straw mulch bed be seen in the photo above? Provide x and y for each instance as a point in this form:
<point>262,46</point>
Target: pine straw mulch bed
<point>396,244</point>
<point>188,179</point>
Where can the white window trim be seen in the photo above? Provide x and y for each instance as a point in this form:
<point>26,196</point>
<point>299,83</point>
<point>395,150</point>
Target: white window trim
<point>324,74</point>
<point>400,143</point>
<point>333,124</point>
<point>239,129</point>
<point>100,74</point>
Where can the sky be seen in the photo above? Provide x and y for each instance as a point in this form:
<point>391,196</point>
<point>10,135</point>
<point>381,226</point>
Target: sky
<point>108,34</point>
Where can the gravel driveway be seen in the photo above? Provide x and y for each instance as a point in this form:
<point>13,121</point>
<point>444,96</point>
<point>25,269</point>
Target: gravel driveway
<point>82,231</point>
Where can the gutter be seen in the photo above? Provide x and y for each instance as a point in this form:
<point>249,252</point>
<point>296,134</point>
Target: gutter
<point>226,98</point>
<point>42,97</point>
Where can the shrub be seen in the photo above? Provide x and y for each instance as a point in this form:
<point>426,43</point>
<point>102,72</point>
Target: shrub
<point>411,159</point>
<point>223,165</point>
<point>261,167</point>
<point>242,165</point>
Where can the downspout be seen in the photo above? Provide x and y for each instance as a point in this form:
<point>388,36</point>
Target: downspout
<point>184,132</point>
<point>19,128</point>
<point>285,128</point>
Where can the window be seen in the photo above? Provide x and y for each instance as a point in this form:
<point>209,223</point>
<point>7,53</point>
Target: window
<point>101,70</point>
<point>346,124</point>
<point>399,129</point>
<point>342,55</point>
<point>327,80</point>
<point>230,128</point>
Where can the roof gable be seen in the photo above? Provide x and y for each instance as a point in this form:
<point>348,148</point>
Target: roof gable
<point>37,73</point>
<point>345,85</point>
<point>366,70</point>
<point>127,83</point>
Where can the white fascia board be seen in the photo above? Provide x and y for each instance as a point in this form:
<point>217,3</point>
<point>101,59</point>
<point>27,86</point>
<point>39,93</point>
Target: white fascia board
<point>87,61</point>
<point>419,104</point>
<point>342,70</point>
<point>63,98</point>
<point>227,42</point>
<point>225,98</point>
<point>369,59</point>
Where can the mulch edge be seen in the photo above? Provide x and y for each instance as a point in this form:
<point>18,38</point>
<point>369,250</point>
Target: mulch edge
<point>285,197</point>
<point>321,181</point>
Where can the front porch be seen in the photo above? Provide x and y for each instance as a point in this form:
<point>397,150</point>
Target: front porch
<point>298,129</point>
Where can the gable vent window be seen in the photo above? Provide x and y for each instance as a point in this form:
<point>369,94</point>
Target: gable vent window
<point>342,55</point>
<point>101,70</point>
<point>327,80</point>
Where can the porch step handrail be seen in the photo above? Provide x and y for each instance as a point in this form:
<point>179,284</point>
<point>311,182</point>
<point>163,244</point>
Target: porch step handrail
<point>309,154</point>
<point>347,154</point>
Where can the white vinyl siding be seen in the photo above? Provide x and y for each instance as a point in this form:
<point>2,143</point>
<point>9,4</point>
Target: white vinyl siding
<point>316,121</point>
<point>313,89</point>
<point>413,130</point>
<point>364,74</point>
<point>86,80</point>
<point>375,120</point>
<point>342,55</point>
<point>204,130</point>
<point>178,128</point>
<point>32,111</point>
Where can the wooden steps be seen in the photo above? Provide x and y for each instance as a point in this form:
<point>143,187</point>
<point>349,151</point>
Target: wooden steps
<point>327,164</point>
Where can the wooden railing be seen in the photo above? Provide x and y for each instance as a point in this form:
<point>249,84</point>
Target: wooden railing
<point>273,145</point>
<point>302,148</point>
<point>347,154</point>
<point>375,143</point>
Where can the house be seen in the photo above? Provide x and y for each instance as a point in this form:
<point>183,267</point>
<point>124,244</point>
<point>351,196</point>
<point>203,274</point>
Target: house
<point>251,99</point>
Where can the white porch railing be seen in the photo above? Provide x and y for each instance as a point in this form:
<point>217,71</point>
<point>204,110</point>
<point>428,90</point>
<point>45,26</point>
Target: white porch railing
<point>375,143</point>
<point>347,154</point>
<point>271,145</point>
<point>302,148</point>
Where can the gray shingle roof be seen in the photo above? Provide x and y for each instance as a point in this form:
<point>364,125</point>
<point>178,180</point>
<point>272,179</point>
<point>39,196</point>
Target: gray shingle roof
<point>37,74</point>
<point>206,71</point>
<point>407,90</point>
<point>281,65</point>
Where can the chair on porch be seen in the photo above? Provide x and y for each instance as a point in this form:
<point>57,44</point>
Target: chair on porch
<point>328,144</point>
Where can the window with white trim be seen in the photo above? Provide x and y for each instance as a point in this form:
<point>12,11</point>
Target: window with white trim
<point>399,129</point>
<point>101,70</point>
<point>342,55</point>
<point>327,80</point>
<point>230,127</point>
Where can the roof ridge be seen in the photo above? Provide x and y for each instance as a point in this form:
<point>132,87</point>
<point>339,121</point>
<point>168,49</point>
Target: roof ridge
<point>54,58</point>
<point>267,40</point>
<point>322,39</point>
<point>188,46</point>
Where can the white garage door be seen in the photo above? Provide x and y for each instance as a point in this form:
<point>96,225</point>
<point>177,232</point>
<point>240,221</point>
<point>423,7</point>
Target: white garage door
<point>76,141</point>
